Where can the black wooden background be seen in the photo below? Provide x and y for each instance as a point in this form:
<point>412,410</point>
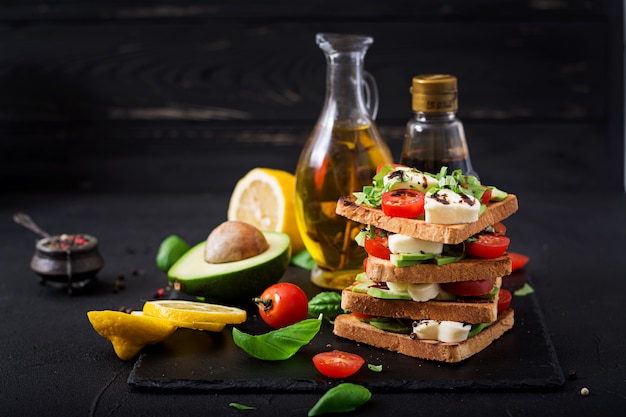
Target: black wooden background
<point>89,88</point>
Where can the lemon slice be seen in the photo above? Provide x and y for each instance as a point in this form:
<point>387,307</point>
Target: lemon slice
<point>264,198</point>
<point>209,326</point>
<point>190,313</point>
<point>129,333</point>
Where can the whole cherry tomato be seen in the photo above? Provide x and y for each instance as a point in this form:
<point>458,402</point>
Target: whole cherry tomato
<point>337,364</point>
<point>282,305</point>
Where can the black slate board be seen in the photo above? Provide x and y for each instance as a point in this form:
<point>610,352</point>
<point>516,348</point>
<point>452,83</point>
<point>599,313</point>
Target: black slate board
<point>522,359</point>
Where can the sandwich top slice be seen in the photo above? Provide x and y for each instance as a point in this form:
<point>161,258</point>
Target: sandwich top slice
<point>495,212</point>
<point>453,206</point>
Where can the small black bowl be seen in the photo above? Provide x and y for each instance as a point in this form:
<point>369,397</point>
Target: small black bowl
<point>69,260</point>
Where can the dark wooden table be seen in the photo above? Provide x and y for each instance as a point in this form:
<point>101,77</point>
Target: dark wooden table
<point>132,122</point>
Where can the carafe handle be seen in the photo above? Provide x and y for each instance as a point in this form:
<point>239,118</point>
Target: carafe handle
<point>371,94</point>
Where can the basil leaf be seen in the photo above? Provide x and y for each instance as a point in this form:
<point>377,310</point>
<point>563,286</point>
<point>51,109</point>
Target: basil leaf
<point>241,406</point>
<point>525,290</point>
<point>304,260</point>
<point>327,303</point>
<point>279,344</point>
<point>374,368</point>
<point>344,397</point>
<point>477,328</point>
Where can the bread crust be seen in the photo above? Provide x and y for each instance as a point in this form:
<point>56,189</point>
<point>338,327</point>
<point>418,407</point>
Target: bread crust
<point>444,233</point>
<point>349,327</point>
<point>467,269</point>
<point>473,312</point>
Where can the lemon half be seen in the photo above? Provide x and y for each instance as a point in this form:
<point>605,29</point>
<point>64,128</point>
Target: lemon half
<point>264,198</point>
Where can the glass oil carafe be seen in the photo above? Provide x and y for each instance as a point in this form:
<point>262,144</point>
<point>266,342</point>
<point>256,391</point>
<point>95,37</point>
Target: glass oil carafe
<point>340,157</point>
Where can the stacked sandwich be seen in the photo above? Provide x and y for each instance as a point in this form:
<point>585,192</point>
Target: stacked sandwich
<point>431,288</point>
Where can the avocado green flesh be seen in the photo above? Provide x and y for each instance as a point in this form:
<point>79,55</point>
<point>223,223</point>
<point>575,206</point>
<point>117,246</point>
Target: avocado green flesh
<point>232,281</point>
<point>386,294</point>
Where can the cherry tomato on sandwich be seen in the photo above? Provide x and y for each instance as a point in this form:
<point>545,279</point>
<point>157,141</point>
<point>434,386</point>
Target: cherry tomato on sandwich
<point>504,300</point>
<point>469,288</point>
<point>518,260</point>
<point>378,246</point>
<point>337,364</point>
<point>362,316</point>
<point>499,229</point>
<point>404,203</point>
<point>486,196</point>
<point>487,245</point>
<point>282,304</point>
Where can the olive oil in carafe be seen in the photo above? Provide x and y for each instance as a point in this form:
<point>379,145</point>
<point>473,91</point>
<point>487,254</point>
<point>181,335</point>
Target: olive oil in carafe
<point>348,164</point>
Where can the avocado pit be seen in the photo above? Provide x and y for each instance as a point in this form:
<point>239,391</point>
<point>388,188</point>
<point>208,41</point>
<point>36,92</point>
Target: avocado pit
<point>234,241</point>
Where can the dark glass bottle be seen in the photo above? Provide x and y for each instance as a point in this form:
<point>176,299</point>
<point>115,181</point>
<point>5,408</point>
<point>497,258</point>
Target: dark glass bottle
<point>434,136</point>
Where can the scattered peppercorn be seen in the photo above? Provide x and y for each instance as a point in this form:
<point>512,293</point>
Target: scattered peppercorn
<point>134,272</point>
<point>571,375</point>
<point>584,391</point>
<point>119,283</point>
<point>125,310</point>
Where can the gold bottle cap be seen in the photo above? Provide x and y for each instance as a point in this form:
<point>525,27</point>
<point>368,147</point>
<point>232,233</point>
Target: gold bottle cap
<point>434,93</point>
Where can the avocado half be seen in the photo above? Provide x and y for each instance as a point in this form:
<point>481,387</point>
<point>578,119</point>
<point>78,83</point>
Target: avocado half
<point>231,281</point>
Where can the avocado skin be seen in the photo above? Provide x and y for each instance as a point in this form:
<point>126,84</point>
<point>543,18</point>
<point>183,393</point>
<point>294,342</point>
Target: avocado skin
<point>233,281</point>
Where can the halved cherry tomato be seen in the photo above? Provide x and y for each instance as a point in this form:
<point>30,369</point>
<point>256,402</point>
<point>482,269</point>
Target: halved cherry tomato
<point>282,304</point>
<point>504,299</point>
<point>378,247</point>
<point>379,167</point>
<point>486,196</point>
<point>362,316</point>
<point>469,288</point>
<point>499,228</point>
<point>488,245</point>
<point>403,203</point>
<point>337,364</point>
<point>518,260</point>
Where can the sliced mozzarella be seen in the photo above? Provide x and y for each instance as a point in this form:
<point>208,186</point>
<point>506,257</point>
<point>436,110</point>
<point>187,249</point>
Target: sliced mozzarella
<point>399,243</point>
<point>423,292</point>
<point>453,331</point>
<point>410,178</point>
<point>398,287</point>
<point>426,329</point>
<point>444,331</point>
<point>396,180</point>
<point>447,207</point>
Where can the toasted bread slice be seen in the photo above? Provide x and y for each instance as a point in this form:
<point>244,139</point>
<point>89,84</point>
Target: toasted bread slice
<point>350,327</point>
<point>467,269</point>
<point>444,233</point>
<point>472,310</point>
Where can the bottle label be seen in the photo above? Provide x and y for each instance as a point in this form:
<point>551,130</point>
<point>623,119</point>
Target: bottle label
<point>435,103</point>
